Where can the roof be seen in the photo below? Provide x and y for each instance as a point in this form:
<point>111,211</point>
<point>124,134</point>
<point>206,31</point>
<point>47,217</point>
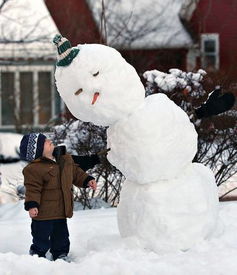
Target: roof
<point>150,24</point>
<point>187,9</point>
<point>26,30</point>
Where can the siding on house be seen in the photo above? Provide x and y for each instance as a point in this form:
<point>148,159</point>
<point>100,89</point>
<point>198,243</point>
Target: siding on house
<point>28,97</point>
<point>74,20</point>
<point>79,21</point>
<point>219,17</point>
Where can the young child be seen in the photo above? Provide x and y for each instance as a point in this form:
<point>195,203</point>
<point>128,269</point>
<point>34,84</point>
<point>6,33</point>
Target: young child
<point>49,197</point>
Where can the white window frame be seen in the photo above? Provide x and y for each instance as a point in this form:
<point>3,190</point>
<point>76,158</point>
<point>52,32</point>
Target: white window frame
<point>206,37</point>
<point>35,69</point>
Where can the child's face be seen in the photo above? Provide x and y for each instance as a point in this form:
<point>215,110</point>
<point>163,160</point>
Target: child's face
<point>48,147</point>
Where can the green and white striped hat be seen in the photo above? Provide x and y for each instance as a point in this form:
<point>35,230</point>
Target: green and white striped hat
<point>66,53</point>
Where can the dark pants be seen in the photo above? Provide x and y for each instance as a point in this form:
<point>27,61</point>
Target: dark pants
<point>51,234</point>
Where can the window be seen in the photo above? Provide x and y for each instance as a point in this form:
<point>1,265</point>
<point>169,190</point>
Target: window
<point>45,97</point>
<point>28,96</point>
<point>210,51</point>
<point>7,98</point>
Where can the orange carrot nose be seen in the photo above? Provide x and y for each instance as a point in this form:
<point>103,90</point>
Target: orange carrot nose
<point>95,98</point>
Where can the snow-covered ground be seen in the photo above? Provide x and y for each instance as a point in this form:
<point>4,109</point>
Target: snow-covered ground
<point>96,245</point>
<point>97,248</point>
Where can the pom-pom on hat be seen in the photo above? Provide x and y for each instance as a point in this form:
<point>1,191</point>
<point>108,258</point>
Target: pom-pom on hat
<point>66,53</point>
<point>32,146</point>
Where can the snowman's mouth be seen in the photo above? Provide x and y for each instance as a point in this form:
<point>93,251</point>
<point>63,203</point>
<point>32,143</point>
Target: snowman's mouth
<point>95,97</point>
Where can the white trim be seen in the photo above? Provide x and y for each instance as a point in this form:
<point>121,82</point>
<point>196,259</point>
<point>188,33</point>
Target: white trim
<point>23,126</point>
<point>17,93</point>
<point>35,69</point>
<point>191,58</point>
<point>26,68</point>
<point>214,37</point>
<point>53,101</point>
<point>35,99</point>
<point>0,98</point>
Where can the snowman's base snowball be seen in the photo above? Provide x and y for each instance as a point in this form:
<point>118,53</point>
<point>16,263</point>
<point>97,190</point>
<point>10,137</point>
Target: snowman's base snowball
<point>170,215</point>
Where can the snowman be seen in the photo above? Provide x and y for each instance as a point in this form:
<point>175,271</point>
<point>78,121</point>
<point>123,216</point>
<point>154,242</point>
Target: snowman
<point>167,202</point>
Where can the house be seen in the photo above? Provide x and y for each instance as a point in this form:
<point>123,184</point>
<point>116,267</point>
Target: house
<point>213,27</point>
<point>187,34</point>
<point>151,34</point>
<point>27,59</point>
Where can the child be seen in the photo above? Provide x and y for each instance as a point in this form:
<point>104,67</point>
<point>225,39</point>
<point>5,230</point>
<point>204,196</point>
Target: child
<point>49,197</point>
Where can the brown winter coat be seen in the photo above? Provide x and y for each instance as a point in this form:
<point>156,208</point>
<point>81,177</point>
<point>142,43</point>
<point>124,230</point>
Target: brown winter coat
<point>50,186</point>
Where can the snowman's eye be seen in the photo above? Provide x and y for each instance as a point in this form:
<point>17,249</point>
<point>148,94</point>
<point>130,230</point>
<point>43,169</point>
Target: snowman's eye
<point>95,74</point>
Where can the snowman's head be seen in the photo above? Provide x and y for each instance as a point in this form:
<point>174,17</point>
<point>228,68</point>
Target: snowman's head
<point>99,85</point>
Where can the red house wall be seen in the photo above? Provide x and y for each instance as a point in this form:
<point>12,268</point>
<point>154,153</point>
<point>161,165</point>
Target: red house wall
<point>220,16</point>
<point>160,59</point>
<point>74,20</point>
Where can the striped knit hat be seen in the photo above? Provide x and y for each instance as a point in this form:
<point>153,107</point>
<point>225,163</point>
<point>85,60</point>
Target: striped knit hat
<point>66,53</point>
<point>32,146</point>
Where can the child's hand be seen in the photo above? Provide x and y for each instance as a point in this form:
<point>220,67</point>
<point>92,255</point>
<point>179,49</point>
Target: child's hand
<point>33,212</point>
<point>92,184</point>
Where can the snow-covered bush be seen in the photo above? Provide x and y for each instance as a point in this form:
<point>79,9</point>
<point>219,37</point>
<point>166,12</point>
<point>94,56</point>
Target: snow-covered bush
<point>181,87</point>
<point>217,135</point>
<point>85,139</point>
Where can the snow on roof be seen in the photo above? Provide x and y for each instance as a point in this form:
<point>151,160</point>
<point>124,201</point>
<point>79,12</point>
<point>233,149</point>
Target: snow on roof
<point>26,30</point>
<point>188,8</point>
<point>138,24</point>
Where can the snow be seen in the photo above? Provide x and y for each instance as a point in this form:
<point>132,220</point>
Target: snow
<point>181,212</point>
<point>230,184</point>
<point>29,23</point>
<point>117,98</point>
<point>11,178</point>
<point>97,248</point>
<point>155,142</point>
<point>10,174</point>
<point>9,144</point>
<point>27,50</point>
<point>174,79</point>
<point>152,140</point>
<point>139,24</point>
